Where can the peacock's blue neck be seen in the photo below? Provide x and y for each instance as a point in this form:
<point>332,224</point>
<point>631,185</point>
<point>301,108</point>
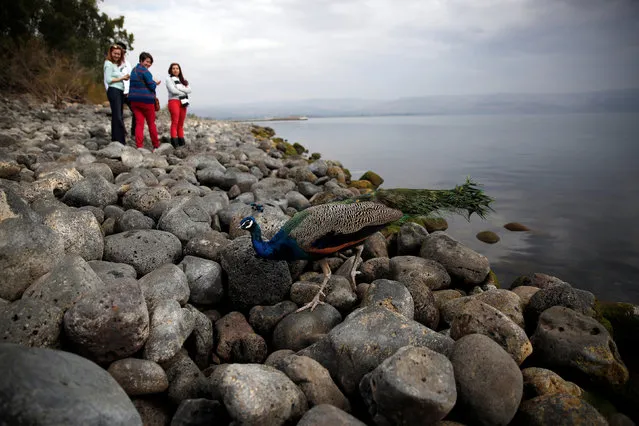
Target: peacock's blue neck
<point>280,247</point>
<point>262,248</point>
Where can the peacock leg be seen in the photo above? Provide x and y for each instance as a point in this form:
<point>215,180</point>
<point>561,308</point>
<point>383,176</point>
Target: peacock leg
<point>316,300</point>
<point>358,255</point>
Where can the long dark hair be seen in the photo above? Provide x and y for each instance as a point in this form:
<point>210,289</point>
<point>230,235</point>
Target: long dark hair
<point>180,76</point>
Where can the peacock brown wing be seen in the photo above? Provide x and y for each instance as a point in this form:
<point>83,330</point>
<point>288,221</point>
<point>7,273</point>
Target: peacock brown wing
<point>331,227</point>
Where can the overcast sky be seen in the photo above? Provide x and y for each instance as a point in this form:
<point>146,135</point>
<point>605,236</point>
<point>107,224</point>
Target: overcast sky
<point>271,50</point>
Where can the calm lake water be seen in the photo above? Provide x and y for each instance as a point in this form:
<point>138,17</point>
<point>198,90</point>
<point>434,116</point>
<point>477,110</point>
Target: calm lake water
<point>573,179</point>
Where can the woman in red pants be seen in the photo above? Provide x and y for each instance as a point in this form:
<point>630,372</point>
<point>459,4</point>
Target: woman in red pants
<point>142,97</point>
<point>179,90</point>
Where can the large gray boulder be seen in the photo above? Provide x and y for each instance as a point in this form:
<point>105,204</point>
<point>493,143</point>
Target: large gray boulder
<point>111,271</point>
<point>314,380</point>
<point>366,338</point>
<point>263,319</point>
<point>489,382</point>
<point>207,245</point>
<point>144,199</point>
<point>215,201</point>
<point>71,280</point>
<point>581,301</point>
<point>133,219</point>
<point>27,251</point>
<point>94,190</point>
<point>298,330</point>
<point>170,326</point>
<point>199,412</point>
<point>558,409</point>
<point>253,280</point>
<point>30,322</point>
<point>186,381</point>
<point>460,261</point>
<point>79,230</point>
<point>139,376</point>
<point>14,206</point>
<point>145,250</point>
<point>204,278</point>
<point>413,386</point>
<point>185,218</point>
<point>237,341</point>
<point>202,338</point>
<point>272,189</point>
<point>168,282</point>
<point>570,340</point>
<point>505,301</point>
<point>109,324</point>
<point>325,414</point>
<point>71,390</point>
<point>256,394</point>
<point>391,295</point>
<point>410,239</point>
<point>479,317</point>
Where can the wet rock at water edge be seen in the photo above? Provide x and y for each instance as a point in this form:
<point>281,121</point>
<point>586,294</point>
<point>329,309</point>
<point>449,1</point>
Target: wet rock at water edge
<point>516,227</point>
<point>488,237</point>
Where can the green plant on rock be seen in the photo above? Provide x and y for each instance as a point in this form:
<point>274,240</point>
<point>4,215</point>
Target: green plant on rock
<point>624,317</point>
<point>261,132</point>
<point>348,174</point>
<point>299,148</point>
<point>316,156</point>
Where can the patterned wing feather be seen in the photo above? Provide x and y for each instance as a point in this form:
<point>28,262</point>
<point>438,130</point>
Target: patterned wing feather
<point>327,227</point>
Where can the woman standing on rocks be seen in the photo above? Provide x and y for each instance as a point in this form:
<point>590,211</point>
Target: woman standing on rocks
<point>114,78</point>
<point>178,88</point>
<point>142,97</point>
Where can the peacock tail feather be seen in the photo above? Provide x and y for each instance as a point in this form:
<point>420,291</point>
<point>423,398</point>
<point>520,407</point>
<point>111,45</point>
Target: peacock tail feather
<point>464,199</point>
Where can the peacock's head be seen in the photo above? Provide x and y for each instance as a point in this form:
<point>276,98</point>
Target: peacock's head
<point>248,223</point>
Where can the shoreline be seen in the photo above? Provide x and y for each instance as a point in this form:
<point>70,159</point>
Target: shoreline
<point>155,235</point>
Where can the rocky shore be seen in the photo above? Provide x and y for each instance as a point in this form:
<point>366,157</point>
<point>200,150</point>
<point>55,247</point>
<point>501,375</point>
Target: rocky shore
<point>129,296</point>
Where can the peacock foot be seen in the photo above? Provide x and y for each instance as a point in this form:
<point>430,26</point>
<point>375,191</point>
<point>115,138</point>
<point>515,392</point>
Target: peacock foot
<point>352,280</point>
<point>313,303</point>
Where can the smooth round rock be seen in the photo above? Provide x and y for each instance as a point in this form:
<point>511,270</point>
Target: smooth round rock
<point>324,415</point>
<point>391,295</point>
<point>145,250</point>
<point>558,409</point>
<point>139,376</point>
<point>415,385</point>
<point>257,394</point>
<point>301,329</point>
<point>489,382</point>
<point>71,390</point>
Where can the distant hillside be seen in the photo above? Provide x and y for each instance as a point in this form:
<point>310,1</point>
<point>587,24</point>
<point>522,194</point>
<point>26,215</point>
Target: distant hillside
<point>507,103</point>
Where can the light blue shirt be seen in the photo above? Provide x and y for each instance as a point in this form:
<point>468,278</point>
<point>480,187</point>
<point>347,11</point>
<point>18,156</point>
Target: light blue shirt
<point>112,71</point>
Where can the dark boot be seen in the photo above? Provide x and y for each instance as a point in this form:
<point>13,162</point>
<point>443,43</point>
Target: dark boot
<point>174,142</point>
<point>181,142</point>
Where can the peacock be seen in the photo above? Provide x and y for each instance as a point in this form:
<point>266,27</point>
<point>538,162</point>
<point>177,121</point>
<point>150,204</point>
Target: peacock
<point>326,229</point>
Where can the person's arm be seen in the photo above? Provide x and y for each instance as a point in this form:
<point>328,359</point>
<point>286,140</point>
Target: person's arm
<point>148,79</point>
<point>183,88</point>
<point>173,89</point>
<point>104,79</point>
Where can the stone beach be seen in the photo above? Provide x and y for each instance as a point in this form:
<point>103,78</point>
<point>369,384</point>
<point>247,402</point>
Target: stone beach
<point>129,296</point>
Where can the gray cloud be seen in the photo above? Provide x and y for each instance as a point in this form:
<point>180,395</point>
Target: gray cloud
<point>290,49</point>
